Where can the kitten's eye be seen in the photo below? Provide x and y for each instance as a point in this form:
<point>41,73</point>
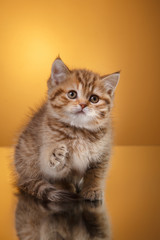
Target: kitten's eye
<point>72,94</point>
<point>94,99</point>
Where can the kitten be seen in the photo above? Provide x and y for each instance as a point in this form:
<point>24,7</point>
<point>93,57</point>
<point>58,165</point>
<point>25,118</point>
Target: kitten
<point>65,148</point>
<point>49,221</point>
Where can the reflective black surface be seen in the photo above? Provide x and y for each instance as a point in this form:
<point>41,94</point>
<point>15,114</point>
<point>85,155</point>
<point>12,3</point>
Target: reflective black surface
<point>132,198</point>
<point>56,221</point>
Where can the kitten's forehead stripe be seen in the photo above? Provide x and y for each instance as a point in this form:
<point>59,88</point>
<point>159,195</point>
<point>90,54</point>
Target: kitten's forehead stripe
<point>87,79</point>
<point>79,77</point>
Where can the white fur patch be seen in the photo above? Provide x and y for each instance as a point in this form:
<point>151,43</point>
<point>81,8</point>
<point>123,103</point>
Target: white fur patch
<point>85,152</point>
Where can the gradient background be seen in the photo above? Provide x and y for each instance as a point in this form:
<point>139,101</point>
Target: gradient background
<point>104,36</point>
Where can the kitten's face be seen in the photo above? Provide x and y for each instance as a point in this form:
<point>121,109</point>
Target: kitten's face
<point>81,100</point>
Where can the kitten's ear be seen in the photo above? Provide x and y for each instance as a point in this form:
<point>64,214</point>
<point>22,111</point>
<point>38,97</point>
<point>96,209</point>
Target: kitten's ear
<point>111,82</point>
<point>59,71</point>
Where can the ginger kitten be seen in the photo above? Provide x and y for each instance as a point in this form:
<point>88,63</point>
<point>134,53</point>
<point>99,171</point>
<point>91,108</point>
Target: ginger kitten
<point>65,148</point>
<point>83,220</point>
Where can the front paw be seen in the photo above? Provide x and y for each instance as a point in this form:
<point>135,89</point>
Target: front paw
<point>58,157</point>
<point>92,194</point>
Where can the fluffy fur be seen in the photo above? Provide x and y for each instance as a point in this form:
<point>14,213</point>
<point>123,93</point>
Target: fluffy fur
<point>36,220</point>
<point>65,148</point>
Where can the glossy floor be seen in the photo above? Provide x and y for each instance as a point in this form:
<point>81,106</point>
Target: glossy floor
<point>132,200</point>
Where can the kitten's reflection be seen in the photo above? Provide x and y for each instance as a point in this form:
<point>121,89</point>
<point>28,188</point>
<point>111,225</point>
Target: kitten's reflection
<point>63,221</point>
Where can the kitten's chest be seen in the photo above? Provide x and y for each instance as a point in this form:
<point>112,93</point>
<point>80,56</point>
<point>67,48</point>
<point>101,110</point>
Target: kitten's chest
<point>83,152</point>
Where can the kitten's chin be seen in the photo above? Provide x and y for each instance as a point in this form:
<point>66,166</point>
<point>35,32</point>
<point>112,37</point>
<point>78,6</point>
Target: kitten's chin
<point>78,120</point>
<point>81,120</point>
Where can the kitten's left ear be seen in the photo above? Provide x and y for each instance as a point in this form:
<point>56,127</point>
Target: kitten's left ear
<point>111,82</point>
<point>59,71</point>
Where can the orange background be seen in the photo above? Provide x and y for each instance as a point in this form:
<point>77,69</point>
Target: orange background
<point>104,36</point>
<point>101,35</point>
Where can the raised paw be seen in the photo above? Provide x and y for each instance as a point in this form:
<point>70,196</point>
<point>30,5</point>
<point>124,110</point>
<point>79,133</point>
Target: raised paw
<point>58,157</point>
<point>92,194</point>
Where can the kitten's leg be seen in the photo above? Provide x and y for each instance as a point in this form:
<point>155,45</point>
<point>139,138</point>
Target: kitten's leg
<point>93,182</point>
<point>54,161</point>
<point>44,190</point>
<point>50,183</point>
<point>38,179</point>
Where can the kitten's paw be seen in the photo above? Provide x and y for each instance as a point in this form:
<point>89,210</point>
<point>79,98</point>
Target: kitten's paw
<point>58,156</point>
<point>93,194</point>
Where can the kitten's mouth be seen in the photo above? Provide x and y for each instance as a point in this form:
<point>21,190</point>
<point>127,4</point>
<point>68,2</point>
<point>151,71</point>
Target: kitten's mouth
<point>80,112</point>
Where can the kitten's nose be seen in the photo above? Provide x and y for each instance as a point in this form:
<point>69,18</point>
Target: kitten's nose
<point>83,105</point>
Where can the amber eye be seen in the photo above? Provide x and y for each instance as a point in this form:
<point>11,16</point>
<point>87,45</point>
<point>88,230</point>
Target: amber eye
<point>94,99</point>
<point>72,94</point>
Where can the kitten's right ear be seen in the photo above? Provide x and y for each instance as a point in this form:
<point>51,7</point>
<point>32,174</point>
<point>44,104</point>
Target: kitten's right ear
<point>59,72</point>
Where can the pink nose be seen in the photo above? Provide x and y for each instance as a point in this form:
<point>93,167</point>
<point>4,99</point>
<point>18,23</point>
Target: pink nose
<point>83,105</point>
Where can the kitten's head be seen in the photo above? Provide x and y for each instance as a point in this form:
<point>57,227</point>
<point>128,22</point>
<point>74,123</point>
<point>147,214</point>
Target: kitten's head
<point>80,98</point>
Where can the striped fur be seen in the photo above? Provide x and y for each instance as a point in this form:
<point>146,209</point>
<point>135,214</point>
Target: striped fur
<point>35,220</point>
<point>85,134</point>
